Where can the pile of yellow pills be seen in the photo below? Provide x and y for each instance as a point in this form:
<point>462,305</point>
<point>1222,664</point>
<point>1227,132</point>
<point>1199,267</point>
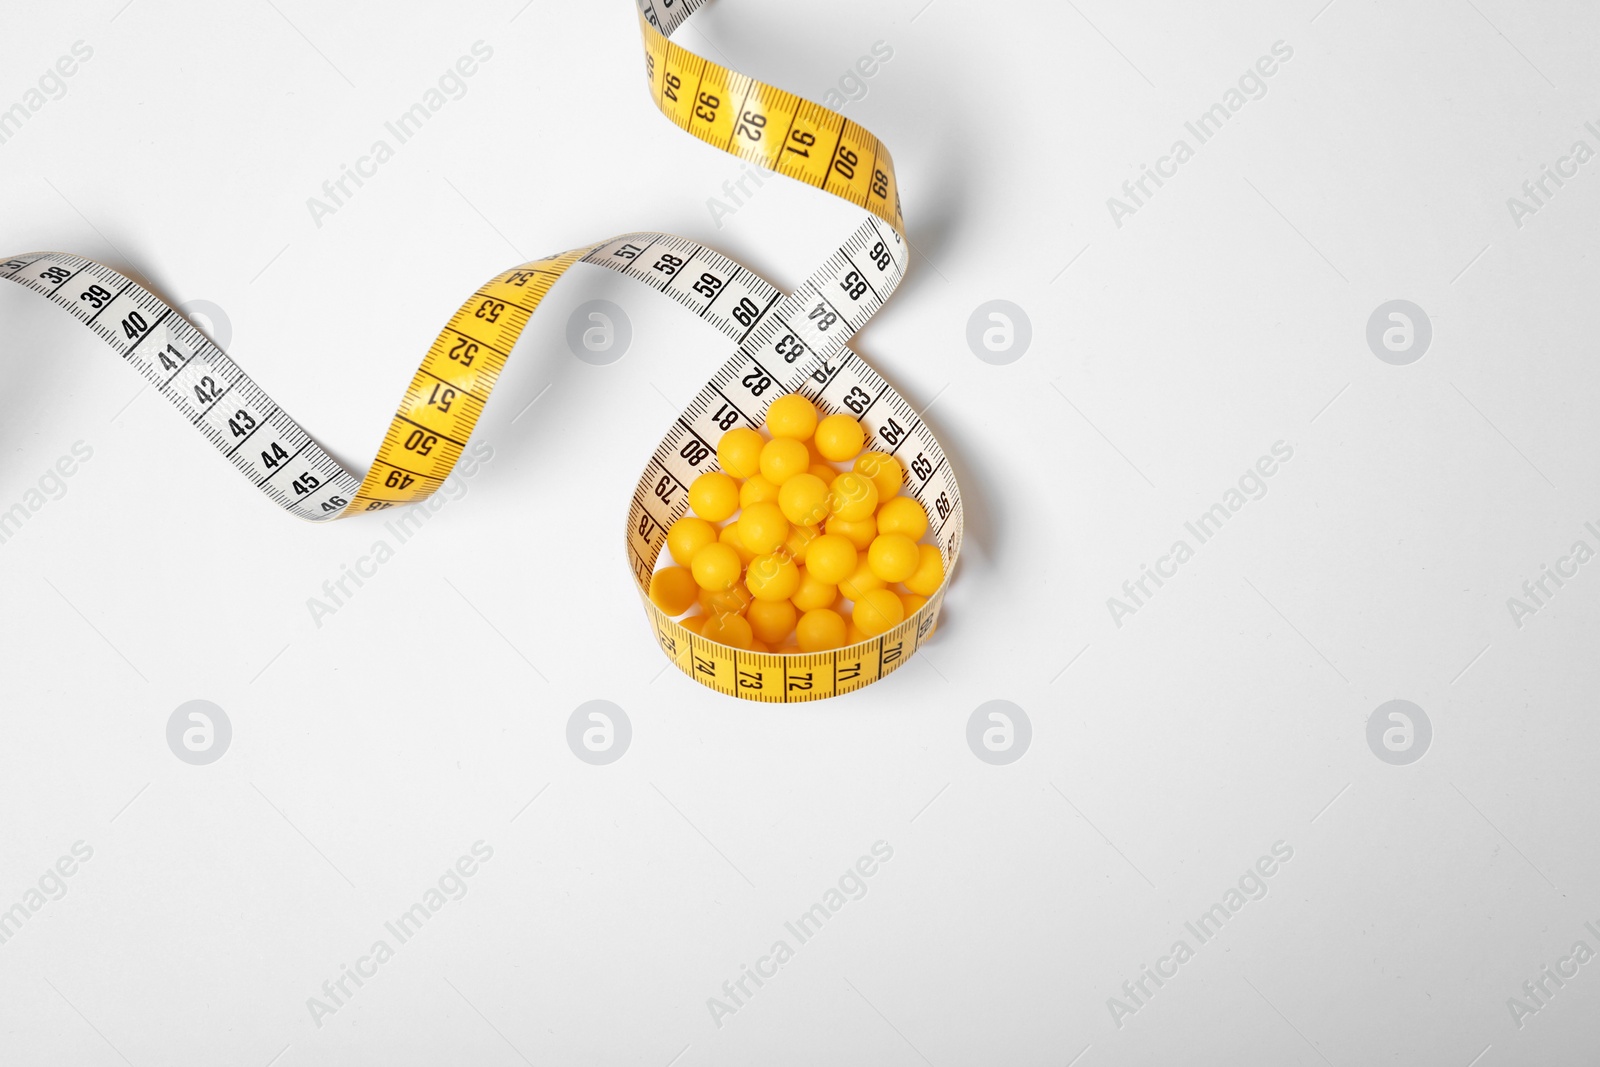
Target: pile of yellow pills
<point>801,543</point>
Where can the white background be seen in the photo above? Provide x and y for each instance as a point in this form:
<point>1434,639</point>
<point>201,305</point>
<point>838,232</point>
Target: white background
<point>1168,753</point>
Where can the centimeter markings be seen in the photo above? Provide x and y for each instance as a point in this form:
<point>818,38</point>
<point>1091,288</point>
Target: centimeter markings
<point>448,392</point>
<point>767,125</point>
<point>667,15</point>
<point>776,678</point>
<point>252,432</point>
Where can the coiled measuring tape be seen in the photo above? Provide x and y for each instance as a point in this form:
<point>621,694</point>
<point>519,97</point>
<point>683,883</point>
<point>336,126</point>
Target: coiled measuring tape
<point>794,342</point>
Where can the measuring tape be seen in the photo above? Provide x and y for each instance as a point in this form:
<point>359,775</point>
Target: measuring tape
<point>786,343</point>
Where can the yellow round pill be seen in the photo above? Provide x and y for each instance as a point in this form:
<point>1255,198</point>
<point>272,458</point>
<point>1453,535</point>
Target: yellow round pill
<point>902,515</point>
<point>730,537</point>
<point>826,471</point>
<point>792,416</point>
<point>798,543</point>
<point>758,645</point>
<point>772,577</point>
<point>762,528</point>
<point>893,557</point>
<point>831,558</point>
<point>859,534</point>
<point>732,601</point>
<point>673,590</point>
<point>820,630</point>
<point>693,623</point>
<point>714,496</point>
<point>739,451</point>
<point>772,620</point>
<point>731,630</point>
<point>839,438</point>
<point>929,573</point>
<point>716,567</point>
<point>757,490</point>
<point>804,499</point>
<point>855,636</point>
<point>861,580</point>
<point>854,497</point>
<point>912,603</point>
<point>882,468</point>
<point>782,458</point>
<point>813,592</point>
<point>878,611</point>
<point>687,536</point>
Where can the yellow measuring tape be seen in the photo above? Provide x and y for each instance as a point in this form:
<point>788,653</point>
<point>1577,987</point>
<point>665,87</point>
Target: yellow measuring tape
<point>786,343</point>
